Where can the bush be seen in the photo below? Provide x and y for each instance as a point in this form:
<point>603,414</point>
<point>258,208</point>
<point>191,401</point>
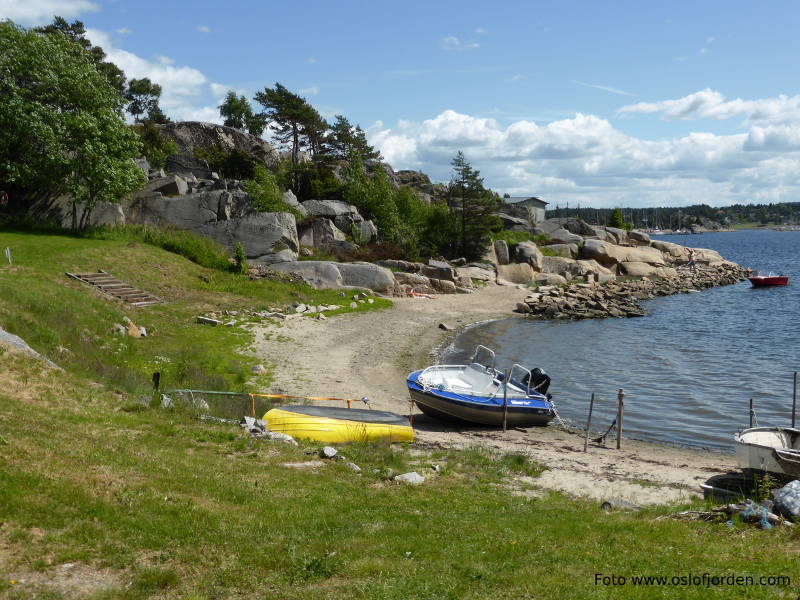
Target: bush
<point>230,165</point>
<point>155,147</point>
<point>266,195</point>
<point>240,259</point>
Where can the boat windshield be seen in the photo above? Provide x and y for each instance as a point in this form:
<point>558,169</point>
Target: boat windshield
<point>483,356</point>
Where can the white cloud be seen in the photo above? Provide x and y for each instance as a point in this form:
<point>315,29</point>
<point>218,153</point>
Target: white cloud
<point>41,12</point>
<point>451,42</point>
<point>309,91</point>
<point>710,104</point>
<point>605,88</point>
<point>203,29</point>
<point>123,31</point>
<point>585,159</point>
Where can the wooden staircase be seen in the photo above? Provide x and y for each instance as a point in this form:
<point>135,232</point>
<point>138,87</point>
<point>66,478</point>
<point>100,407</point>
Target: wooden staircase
<point>111,286</point>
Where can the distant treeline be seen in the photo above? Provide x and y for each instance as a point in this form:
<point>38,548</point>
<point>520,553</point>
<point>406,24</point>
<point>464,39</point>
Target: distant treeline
<point>782,213</point>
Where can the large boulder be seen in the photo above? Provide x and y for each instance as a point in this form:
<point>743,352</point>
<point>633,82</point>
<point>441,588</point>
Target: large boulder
<point>640,237</point>
<point>610,254</point>
<point>513,223</point>
<point>364,232</point>
<point>515,273</point>
<point>320,233</point>
<point>344,215</point>
<point>559,266</point>
<point>266,237</point>
<point>171,185</point>
<point>620,234</point>
<point>565,250</point>
<point>332,275</point>
<point>476,273</point>
<point>640,269</point>
<point>193,211</point>
<point>586,267</point>
<point>528,252</point>
<point>290,199</point>
<point>572,225</point>
<point>562,236</point>
<point>501,252</point>
<point>187,165</point>
<point>548,279</point>
<point>193,135</point>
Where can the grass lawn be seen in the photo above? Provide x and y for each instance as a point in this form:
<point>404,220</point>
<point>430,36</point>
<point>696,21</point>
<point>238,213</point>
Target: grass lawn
<point>72,324</point>
<point>102,498</point>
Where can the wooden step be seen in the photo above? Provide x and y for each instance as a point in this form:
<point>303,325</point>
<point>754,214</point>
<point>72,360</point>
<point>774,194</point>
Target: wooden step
<point>113,287</point>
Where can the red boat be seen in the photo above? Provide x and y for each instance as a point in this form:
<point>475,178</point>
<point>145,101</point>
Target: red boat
<point>764,280</point>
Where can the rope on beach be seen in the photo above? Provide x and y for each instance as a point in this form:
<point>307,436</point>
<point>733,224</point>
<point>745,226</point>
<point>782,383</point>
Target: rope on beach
<point>602,438</point>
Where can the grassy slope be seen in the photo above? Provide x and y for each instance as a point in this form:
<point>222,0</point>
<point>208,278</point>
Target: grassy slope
<point>174,507</point>
<point>72,324</point>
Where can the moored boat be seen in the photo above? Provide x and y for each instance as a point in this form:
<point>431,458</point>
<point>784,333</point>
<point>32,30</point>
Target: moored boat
<point>478,393</point>
<point>769,449</point>
<point>334,424</point>
<point>759,280</point>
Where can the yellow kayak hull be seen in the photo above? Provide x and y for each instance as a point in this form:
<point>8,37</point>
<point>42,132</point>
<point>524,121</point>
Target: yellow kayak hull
<point>338,425</point>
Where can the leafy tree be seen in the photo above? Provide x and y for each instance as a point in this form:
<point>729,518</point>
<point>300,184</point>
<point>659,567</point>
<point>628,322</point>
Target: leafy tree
<point>344,140</point>
<point>266,194</point>
<point>77,33</point>
<point>235,164</point>
<point>237,112</point>
<point>617,219</point>
<point>142,96</point>
<point>293,121</point>
<point>61,125</point>
<point>374,198</point>
<point>473,207</point>
<point>155,147</point>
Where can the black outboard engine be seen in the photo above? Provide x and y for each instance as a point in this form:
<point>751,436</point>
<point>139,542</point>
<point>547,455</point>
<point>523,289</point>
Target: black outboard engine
<point>539,381</point>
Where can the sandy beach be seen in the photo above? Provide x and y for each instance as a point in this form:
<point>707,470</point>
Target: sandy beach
<point>370,354</point>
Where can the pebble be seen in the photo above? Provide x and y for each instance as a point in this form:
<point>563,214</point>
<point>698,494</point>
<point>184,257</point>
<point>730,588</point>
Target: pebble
<point>328,452</point>
<point>412,478</point>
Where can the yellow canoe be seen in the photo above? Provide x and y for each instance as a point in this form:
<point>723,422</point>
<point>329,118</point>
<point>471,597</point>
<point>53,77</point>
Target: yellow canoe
<point>333,424</point>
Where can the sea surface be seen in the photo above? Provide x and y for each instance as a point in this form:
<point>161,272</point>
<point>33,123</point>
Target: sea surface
<point>689,367</point>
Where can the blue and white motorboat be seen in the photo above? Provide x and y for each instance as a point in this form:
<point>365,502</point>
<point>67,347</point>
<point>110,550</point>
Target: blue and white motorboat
<point>478,393</point>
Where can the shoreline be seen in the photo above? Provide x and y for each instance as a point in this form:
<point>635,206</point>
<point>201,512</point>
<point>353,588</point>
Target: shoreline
<point>370,354</point>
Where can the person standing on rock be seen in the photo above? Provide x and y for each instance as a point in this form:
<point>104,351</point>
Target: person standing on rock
<point>691,263</point>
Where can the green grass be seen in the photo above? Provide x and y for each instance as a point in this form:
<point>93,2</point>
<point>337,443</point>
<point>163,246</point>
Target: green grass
<point>72,324</point>
<point>179,508</point>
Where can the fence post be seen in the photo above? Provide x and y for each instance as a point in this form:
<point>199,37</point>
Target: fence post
<point>505,399</point>
<point>588,424</point>
<point>794,399</point>
<point>620,411</point>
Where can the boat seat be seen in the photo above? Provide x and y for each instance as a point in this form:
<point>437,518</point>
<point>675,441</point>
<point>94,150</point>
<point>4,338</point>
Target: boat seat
<point>474,377</point>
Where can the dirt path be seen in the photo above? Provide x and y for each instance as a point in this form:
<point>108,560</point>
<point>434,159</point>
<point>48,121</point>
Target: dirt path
<point>370,354</point>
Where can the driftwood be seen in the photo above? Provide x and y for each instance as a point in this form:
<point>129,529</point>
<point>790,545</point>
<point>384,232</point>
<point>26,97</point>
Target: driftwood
<point>747,511</point>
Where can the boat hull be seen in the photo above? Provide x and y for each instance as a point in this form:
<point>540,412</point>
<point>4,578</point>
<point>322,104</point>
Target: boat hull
<point>338,425</point>
<point>765,280</point>
<point>769,450</point>
<point>475,409</point>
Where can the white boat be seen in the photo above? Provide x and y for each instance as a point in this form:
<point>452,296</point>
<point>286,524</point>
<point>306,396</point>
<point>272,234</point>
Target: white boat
<point>769,449</point>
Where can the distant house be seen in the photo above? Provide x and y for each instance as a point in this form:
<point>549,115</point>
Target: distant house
<point>526,207</point>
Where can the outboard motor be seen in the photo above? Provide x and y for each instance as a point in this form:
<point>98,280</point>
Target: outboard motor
<point>540,381</point>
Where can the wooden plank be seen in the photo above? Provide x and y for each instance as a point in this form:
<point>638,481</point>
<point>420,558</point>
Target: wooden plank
<point>115,288</point>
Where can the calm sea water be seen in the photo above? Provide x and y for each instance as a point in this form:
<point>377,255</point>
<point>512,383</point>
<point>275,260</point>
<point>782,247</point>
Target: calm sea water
<point>689,367</point>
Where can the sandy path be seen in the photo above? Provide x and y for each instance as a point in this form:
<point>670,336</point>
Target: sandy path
<point>369,354</point>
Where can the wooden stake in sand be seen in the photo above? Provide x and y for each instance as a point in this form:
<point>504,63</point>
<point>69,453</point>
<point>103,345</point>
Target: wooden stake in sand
<point>505,399</point>
<point>794,399</point>
<point>620,411</point>
<point>588,424</point>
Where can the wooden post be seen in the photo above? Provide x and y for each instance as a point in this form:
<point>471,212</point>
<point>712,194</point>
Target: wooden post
<point>156,380</point>
<point>794,400</point>
<point>505,399</point>
<point>411,412</point>
<point>588,424</point>
<point>751,412</point>
<point>620,411</point>
<point>252,405</point>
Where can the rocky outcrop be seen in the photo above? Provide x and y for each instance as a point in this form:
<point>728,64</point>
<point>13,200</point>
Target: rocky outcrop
<point>622,299</point>
<point>320,233</point>
<point>192,135</point>
<point>344,215</point>
<point>266,237</point>
<point>608,254</point>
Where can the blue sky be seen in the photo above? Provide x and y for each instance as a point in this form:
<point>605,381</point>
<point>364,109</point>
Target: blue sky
<point>602,104</point>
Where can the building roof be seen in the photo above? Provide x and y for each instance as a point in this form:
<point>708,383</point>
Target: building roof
<point>526,199</point>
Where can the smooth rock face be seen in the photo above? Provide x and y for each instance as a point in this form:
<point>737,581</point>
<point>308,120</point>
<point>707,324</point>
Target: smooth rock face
<point>364,232</point>
<point>332,275</point>
<point>501,251</point>
<point>512,223</point>
<point>191,135</point>
<point>559,265</point>
<point>266,237</point>
<point>563,250</point>
<point>188,165</point>
<point>515,273</point>
<point>548,279</point>
<point>565,237</point>
<point>320,233</point>
<point>528,252</point>
<point>171,185</point>
<point>610,254</point>
<point>290,199</point>
<point>640,237</point>
<point>475,273</point>
<point>620,234</point>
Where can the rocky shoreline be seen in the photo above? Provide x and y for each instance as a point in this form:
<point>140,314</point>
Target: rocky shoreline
<point>622,298</point>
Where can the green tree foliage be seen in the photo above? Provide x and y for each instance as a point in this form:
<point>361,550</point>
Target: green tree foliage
<point>617,219</point>
<point>61,125</point>
<point>237,113</point>
<point>473,208</point>
<point>374,198</point>
<point>266,194</point>
<point>344,140</point>
<point>235,164</point>
<point>155,147</point>
<point>77,33</point>
<point>239,259</point>
<point>142,96</point>
<point>293,121</point>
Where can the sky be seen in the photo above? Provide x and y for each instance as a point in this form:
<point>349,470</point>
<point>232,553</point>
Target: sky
<point>597,104</point>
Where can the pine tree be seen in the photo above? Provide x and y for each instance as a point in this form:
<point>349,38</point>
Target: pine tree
<point>473,208</point>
